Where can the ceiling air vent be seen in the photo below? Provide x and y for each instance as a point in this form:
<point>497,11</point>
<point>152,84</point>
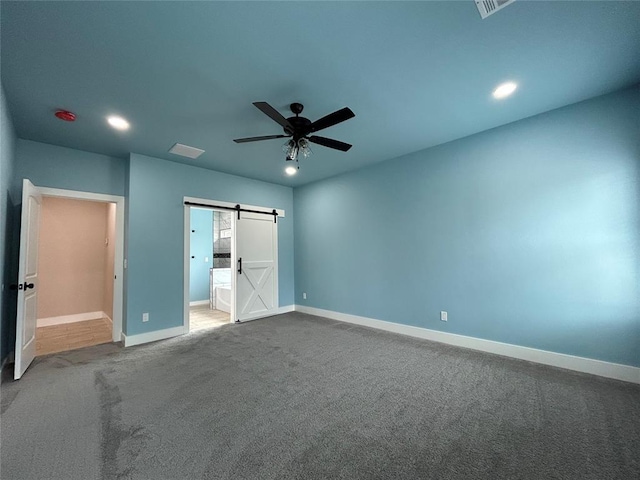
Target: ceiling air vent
<point>186,151</point>
<point>488,7</point>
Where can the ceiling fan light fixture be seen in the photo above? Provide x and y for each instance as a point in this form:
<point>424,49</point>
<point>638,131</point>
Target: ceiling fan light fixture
<point>287,146</point>
<point>291,149</point>
<point>291,170</point>
<point>303,148</point>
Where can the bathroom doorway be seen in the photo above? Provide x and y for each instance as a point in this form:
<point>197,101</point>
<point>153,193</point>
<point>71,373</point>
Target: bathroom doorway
<point>210,277</point>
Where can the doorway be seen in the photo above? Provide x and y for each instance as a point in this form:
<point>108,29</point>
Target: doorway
<point>29,287</point>
<point>210,285</point>
<point>243,271</point>
<point>76,260</point>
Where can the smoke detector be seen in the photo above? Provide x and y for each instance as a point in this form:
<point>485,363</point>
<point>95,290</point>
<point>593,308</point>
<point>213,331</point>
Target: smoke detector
<point>489,7</point>
<point>66,115</point>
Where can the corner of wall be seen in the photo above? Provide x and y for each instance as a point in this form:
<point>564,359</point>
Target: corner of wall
<point>8,224</point>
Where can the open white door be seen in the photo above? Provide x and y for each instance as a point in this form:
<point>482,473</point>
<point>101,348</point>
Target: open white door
<point>257,266</point>
<point>28,279</point>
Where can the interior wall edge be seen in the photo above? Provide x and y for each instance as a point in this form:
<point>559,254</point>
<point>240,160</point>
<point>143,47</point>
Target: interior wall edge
<point>9,224</point>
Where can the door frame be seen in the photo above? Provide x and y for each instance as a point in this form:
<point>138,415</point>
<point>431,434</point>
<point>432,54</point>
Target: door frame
<point>211,203</point>
<point>118,267</point>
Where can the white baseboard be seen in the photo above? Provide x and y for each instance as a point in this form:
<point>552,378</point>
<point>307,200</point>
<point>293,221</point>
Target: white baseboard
<point>78,317</point>
<point>199,302</point>
<point>271,313</point>
<point>131,340</point>
<point>617,371</point>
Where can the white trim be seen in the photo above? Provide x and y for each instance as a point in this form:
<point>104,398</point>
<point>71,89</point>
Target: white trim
<point>217,203</point>
<point>617,371</point>
<point>118,267</point>
<point>76,317</point>
<point>187,265</point>
<point>131,340</point>
<point>198,302</point>
<point>234,262</point>
<point>78,195</point>
<point>270,313</point>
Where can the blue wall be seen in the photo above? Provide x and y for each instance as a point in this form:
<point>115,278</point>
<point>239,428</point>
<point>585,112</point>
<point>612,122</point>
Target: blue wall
<point>202,249</point>
<point>527,234</point>
<point>155,234</point>
<point>7,227</point>
<point>60,167</point>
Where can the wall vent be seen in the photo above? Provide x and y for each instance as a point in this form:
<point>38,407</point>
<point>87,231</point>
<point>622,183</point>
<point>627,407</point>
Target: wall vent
<point>489,7</point>
<point>186,151</point>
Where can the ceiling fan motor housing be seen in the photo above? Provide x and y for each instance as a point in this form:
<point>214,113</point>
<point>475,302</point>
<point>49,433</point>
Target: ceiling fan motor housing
<point>301,127</point>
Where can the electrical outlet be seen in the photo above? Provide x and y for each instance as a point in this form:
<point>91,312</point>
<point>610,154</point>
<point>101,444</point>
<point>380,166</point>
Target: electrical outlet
<point>443,316</point>
<point>304,296</point>
<point>145,317</point>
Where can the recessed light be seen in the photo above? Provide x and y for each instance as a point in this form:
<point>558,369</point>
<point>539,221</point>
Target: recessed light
<point>504,90</point>
<point>290,170</point>
<point>118,123</point>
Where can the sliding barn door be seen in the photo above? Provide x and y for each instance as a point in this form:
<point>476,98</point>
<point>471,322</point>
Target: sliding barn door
<point>27,279</point>
<point>257,266</point>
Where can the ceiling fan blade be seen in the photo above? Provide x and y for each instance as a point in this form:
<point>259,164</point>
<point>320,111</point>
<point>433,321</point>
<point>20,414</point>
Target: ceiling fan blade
<point>257,139</point>
<point>332,119</point>
<point>272,113</point>
<point>330,142</point>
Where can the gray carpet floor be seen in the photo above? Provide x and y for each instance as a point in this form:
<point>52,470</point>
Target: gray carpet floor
<point>301,397</point>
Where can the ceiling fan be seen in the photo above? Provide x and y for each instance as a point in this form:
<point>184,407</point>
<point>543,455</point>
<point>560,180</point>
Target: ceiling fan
<point>299,129</point>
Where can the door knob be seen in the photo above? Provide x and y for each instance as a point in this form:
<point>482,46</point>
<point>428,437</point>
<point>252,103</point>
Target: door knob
<point>27,286</point>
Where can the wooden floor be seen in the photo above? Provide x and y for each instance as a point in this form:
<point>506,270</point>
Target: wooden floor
<point>200,316</point>
<point>69,336</point>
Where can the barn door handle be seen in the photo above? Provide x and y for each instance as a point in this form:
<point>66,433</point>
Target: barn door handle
<point>240,265</point>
